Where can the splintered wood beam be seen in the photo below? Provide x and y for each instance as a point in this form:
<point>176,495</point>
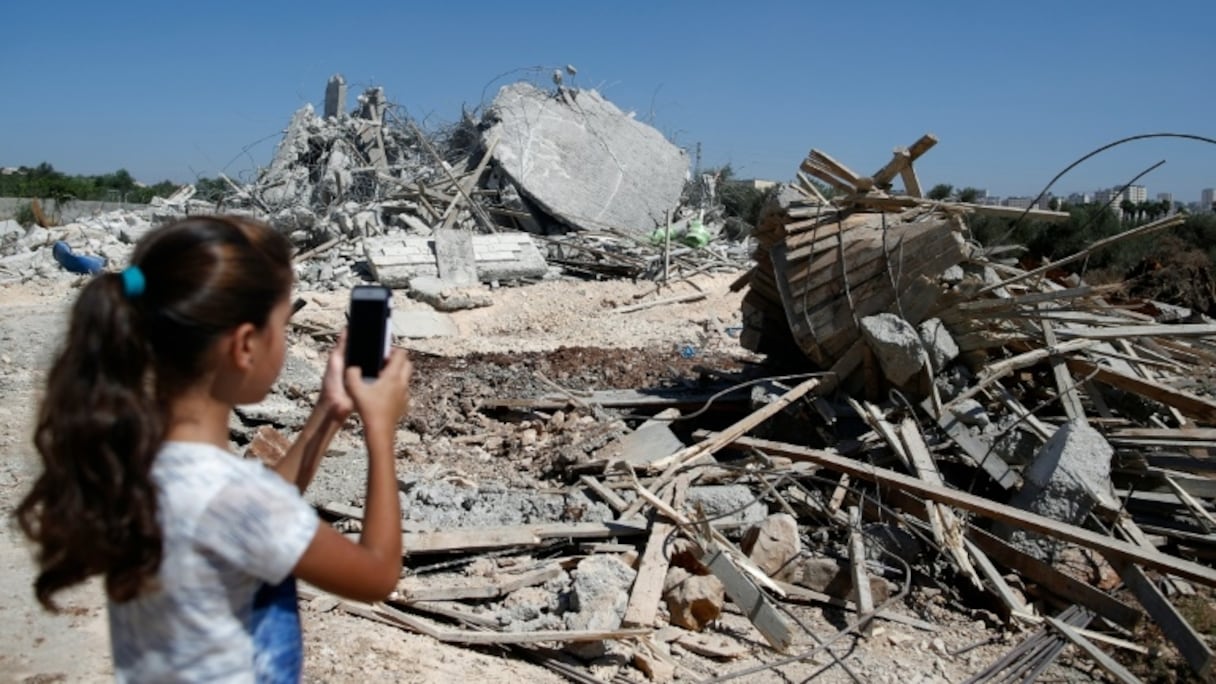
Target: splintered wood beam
<point>827,177</point>
<point>824,161</point>
<point>1192,405</point>
<point>1104,661</point>
<point>1111,548</point>
<point>899,161</point>
<point>1175,627</point>
<point>911,182</point>
<point>1066,386</point>
<point>652,569</point>
<point>921,146</point>
<point>769,621</point>
<point>861,579</point>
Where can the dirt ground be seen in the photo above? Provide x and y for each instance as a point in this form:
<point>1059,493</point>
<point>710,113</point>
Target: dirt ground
<point>532,340</point>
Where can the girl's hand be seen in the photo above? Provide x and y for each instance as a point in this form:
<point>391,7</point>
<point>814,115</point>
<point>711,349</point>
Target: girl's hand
<point>334,397</point>
<point>382,402</point>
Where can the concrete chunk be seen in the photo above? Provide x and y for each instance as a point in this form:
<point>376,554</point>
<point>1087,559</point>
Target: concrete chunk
<point>941,346</point>
<point>1068,476</point>
<point>583,160</point>
<point>896,344</point>
<point>774,544</point>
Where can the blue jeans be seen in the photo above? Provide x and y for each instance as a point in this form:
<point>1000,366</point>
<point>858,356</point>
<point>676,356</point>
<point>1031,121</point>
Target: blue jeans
<point>278,654</point>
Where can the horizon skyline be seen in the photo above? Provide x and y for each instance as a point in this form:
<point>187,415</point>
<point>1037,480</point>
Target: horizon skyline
<point>126,85</point>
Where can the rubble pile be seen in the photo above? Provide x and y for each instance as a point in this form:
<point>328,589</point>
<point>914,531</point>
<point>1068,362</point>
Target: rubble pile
<point>544,182</point>
<point>961,427</point>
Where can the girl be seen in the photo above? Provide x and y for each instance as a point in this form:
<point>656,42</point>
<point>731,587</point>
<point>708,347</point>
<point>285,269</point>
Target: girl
<point>196,545</point>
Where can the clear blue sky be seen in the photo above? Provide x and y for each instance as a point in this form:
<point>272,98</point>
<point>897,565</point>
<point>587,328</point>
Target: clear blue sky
<point>1014,90</point>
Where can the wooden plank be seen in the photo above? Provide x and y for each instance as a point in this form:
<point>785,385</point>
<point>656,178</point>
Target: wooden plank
<point>1205,519</point>
<point>911,182</point>
<point>822,160</point>
<point>1194,406</point>
<point>608,496</point>
<point>738,429</point>
<point>417,589</point>
<point>899,161</point>
<point>1191,645</point>
<point>1126,332</point>
<point>861,578</point>
<point>1014,212</point>
<point>643,606</point>
<point>485,538</point>
<point>449,636</point>
<point>1112,548</point>
<point>1107,663</point>
<point>1053,580</point>
<point>981,456</point>
<point>1066,386</point>
<point>922,145</point>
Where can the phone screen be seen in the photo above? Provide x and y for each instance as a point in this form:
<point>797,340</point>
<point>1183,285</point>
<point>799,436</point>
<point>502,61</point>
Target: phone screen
<point>366,341</point>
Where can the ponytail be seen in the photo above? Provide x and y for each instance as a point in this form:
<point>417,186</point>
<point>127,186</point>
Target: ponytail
<point>93,510</point>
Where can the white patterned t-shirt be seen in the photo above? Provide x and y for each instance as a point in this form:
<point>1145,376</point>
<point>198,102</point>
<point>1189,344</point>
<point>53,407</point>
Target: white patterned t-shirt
<point>229,525</point>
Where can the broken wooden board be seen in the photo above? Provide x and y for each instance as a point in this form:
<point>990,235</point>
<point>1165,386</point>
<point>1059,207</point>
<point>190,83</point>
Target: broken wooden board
<point>524,536</point>
<point>465,588</point>
<point>647,588</point>
<point>1193,405</point>
<point>1111,548</point>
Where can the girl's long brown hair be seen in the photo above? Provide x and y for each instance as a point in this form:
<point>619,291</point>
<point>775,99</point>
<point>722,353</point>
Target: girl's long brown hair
<point>93,510</point>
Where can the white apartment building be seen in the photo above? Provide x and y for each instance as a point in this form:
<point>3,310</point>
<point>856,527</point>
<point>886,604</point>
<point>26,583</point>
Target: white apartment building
<point>1207,197</point>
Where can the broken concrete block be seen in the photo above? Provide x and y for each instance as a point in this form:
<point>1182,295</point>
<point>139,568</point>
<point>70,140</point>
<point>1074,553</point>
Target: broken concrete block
<point>275,409</point>
<point>454,254</point>
<point>829,577</point>
<point>896,344</point>
<point>693,601</point>
<point>940,345</point>
<point>774,544</point>
<point>737,503</point>
<point>1068,476</point>
<point>583,160</point>
<point>335,96</point>
<point>502,256</point>
<point>647,444</point>
<point>445,296</point>
<point>598,598</point>
<point>425,324</point>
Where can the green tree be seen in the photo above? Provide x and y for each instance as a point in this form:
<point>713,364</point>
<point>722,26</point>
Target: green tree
<point>968,194</point>
<point>1129,210</point>
<point>940,191</point>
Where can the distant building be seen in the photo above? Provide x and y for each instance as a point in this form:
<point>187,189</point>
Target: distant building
<point>1136,193</point>
<point>1168,198</point>
<point>1207,199</point>
<point>1080,198</point>
<point>1113,197</point>
<point>9,170</point>
<point>1019,202</point>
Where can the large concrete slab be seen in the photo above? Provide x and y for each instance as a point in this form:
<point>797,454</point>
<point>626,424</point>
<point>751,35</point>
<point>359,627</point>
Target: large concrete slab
<point>395,260</point>
<point>585,161</point>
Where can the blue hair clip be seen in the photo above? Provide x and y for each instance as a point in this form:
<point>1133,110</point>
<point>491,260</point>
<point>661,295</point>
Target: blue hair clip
<point>133,283</point>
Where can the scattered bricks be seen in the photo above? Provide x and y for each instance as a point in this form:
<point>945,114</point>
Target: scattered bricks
<point>268,446</point>
<point>693,601</point>
<point>774,544</point>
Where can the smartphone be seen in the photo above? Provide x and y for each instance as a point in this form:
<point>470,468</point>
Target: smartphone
<point>369,329</point>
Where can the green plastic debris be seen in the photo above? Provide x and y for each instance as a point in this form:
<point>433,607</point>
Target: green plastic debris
<point>696,235</point>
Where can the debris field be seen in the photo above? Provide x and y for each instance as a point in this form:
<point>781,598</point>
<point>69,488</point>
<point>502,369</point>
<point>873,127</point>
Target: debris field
<point>904,457</point>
